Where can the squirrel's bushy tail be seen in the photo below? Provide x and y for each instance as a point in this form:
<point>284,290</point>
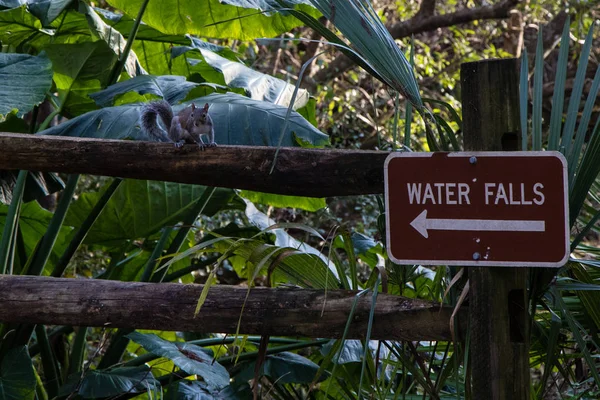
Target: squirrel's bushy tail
<point>149,112</point>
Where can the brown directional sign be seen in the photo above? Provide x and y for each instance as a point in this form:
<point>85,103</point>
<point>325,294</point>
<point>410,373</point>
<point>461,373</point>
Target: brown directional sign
<point>477,208</point>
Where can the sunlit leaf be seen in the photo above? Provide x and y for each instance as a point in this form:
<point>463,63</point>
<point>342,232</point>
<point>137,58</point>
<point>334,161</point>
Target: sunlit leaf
<point>80,69</point>
<point>257,85</point>
<point>281,201</point>
<point>211,18</point>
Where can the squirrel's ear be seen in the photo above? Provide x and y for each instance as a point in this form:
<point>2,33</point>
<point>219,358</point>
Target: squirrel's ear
<point>193,107</point>
<point>206,107</point>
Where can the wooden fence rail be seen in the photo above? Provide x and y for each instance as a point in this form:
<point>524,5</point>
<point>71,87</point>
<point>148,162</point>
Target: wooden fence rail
<point>170,306</point>
<point>285,312</point>
<point>300,172</point>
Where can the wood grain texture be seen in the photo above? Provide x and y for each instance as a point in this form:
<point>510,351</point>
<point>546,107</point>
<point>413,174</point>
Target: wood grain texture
<point>170,306</point>
<point>499,321</point>
<point>301,172</point>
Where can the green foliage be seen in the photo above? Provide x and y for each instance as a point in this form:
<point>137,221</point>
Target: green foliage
<point>563,304</point>
<point>283,368</point>
<point>357,20</point>
<point>139,209</point>
<point>112,382</point>
<point>277,200</point>
<point>17,377</point>
<point>30,78</point>
<point>257,86</point>
<point>69,56</point>
<point>33,223</point>
<point>212,19</point>
<point>190,358</point>
<point>79,70</point>
<point>238,121</point>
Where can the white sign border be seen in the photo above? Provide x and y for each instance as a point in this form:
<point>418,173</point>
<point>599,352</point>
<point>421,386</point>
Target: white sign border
<point>481,154</point>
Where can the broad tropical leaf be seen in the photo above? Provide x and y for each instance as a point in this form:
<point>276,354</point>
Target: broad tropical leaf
<point>194,390</point>
<point>172,88</point>
<point>80,69</point>
<point>285,367</point>
<point>111,37</point>
<point>258,86</point>
<point>17,378</point>
<point>238,120</point>
<point>113,382</point>
<point>33,223</point>
<point>281,201</point>
<point>47,11</point>
<point>140,208</point>
<point>26,79</point>
<point>190,358</point>
<point>212,18</point>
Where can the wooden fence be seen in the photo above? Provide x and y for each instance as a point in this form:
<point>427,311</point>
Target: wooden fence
<point>497,316</point>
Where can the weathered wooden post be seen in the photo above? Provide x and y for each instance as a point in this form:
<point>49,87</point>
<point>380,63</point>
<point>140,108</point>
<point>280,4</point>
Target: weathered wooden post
<point>499,322</point>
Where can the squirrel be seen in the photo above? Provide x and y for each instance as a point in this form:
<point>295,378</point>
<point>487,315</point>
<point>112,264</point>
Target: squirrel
<point>187,126</point>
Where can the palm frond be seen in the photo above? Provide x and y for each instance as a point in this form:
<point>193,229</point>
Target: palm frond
<point>361,25</point>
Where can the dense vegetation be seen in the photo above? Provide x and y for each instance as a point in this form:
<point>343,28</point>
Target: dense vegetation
<point>79,70</point>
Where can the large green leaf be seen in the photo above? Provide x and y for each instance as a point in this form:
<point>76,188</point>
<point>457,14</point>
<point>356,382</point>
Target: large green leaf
<point>17,378</point>
<point>47,11</point>
<point>139,209</point>
<point>152,47</point>
<point>18,25</point>
<point>301,265</point>
<point>285,367</point>
<point>80,69</point>
<point>351,351</point>
<point>111,37</point>
<point>194,390</point>
<point>26,79</point>
<point>123,23</point>
<point>281,201</point>
<point>22,30</point>
<point>159,57</point>
<point>238,121</point>
<point>114,382</point>
<point>33,223</point>
<point>172,88</point>
<point>266,5</point>
<point>190,358</point>
<point>211,18</point>
<point>257,85</point>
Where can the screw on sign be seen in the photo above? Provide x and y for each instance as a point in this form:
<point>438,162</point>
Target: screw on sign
<point>477,208</point>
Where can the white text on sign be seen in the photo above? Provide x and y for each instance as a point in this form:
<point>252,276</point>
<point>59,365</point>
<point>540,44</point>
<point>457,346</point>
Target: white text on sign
<point>458,193</point>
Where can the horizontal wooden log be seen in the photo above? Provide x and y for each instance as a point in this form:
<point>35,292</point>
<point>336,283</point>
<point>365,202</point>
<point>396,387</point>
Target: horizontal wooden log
<point>300,172</point>
<point>170,306</point>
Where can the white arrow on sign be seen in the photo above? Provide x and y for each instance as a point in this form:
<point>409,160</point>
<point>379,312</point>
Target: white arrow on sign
<point>422,224</point>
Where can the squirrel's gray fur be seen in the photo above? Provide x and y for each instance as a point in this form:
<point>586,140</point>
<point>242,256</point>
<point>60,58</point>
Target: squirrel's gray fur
<point>187,126</point>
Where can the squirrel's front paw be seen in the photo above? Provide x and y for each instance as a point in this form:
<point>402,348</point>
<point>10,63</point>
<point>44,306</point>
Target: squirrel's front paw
<point>179,143</point>
<point>213,144</point>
